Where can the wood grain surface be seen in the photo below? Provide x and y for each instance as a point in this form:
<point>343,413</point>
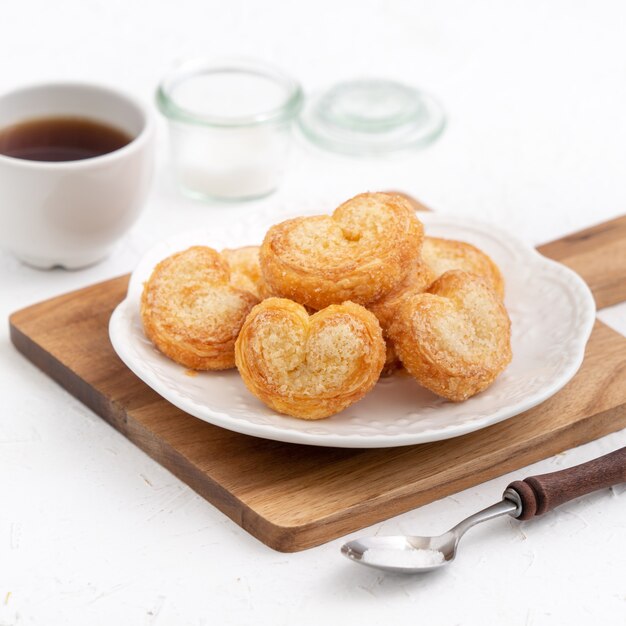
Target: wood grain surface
<point>598,254</point>
<point>293,497</point>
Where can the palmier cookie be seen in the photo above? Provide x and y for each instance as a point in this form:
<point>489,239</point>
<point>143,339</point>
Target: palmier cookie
<point>419,279</point>
<point>192,312</point>
<point>245,270</point>
<point>360,253</point>
<point>309,367</point>
<point>442,255</point>
<point>455,338</point>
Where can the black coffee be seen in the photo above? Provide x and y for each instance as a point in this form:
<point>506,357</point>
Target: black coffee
<point>60,139</point>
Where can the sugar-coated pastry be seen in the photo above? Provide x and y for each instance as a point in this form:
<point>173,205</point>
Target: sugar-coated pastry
<point>309,367</point>
<point>245,270</point>
<point>455,338</point>
<point>438,256</point>
<point>442,255</point>
<point>420,277</point>
<point>192,312</point>
<point>360,253</point>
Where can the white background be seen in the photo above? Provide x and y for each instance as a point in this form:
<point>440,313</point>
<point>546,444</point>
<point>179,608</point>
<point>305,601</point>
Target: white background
<point>94,532</point>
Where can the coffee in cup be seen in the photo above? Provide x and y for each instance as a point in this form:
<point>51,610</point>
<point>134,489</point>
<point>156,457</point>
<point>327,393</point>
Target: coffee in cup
<point>75,167</point>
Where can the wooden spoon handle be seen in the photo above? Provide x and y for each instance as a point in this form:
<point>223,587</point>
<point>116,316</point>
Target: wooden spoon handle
<point>539,494</point>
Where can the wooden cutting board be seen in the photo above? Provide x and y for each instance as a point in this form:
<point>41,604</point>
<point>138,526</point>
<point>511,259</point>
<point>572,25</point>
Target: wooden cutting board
<point>292,497</point>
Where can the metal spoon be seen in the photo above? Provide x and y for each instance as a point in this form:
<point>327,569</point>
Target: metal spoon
<point>522,499</point>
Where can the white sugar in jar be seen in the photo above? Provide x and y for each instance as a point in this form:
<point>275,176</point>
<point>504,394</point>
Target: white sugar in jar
<point>230,125</point>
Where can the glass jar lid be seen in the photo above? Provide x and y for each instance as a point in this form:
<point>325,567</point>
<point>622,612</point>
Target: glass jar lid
<point>371,117</point>
<point>227,93</point>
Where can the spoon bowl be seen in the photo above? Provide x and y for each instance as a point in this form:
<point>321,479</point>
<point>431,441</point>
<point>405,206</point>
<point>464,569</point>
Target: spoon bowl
<point>402,554</point>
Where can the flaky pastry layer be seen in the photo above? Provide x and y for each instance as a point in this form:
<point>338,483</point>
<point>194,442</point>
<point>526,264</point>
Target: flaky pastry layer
<point>245,270</point>
<point>455,338</point>
<point>309,367</point>
<point>360,253</point>
<point>192,312</point>
<point>442,255</point>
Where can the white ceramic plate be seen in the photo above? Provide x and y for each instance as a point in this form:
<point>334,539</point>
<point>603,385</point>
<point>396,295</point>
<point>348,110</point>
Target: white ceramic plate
<point>552,313</point>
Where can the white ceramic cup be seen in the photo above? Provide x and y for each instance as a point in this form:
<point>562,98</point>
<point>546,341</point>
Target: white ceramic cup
<point>70,213</point>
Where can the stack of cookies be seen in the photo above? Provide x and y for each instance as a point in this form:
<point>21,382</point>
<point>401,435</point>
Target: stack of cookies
<point>328,303</point>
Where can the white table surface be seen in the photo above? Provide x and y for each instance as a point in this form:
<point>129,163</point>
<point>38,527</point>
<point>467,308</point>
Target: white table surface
<point>94,532</point>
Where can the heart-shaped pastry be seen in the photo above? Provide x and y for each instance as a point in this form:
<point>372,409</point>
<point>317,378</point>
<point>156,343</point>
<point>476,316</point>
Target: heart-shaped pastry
<point>360,253</point>
<point>192,312</point>
<point>245,270</point>
<point>419,279</point>
<point>443,255</point>
<point>309,367</point>
<point>455,338</point>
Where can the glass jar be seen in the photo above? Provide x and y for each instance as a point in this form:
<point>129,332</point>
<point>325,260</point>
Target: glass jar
<point>230,125</point>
